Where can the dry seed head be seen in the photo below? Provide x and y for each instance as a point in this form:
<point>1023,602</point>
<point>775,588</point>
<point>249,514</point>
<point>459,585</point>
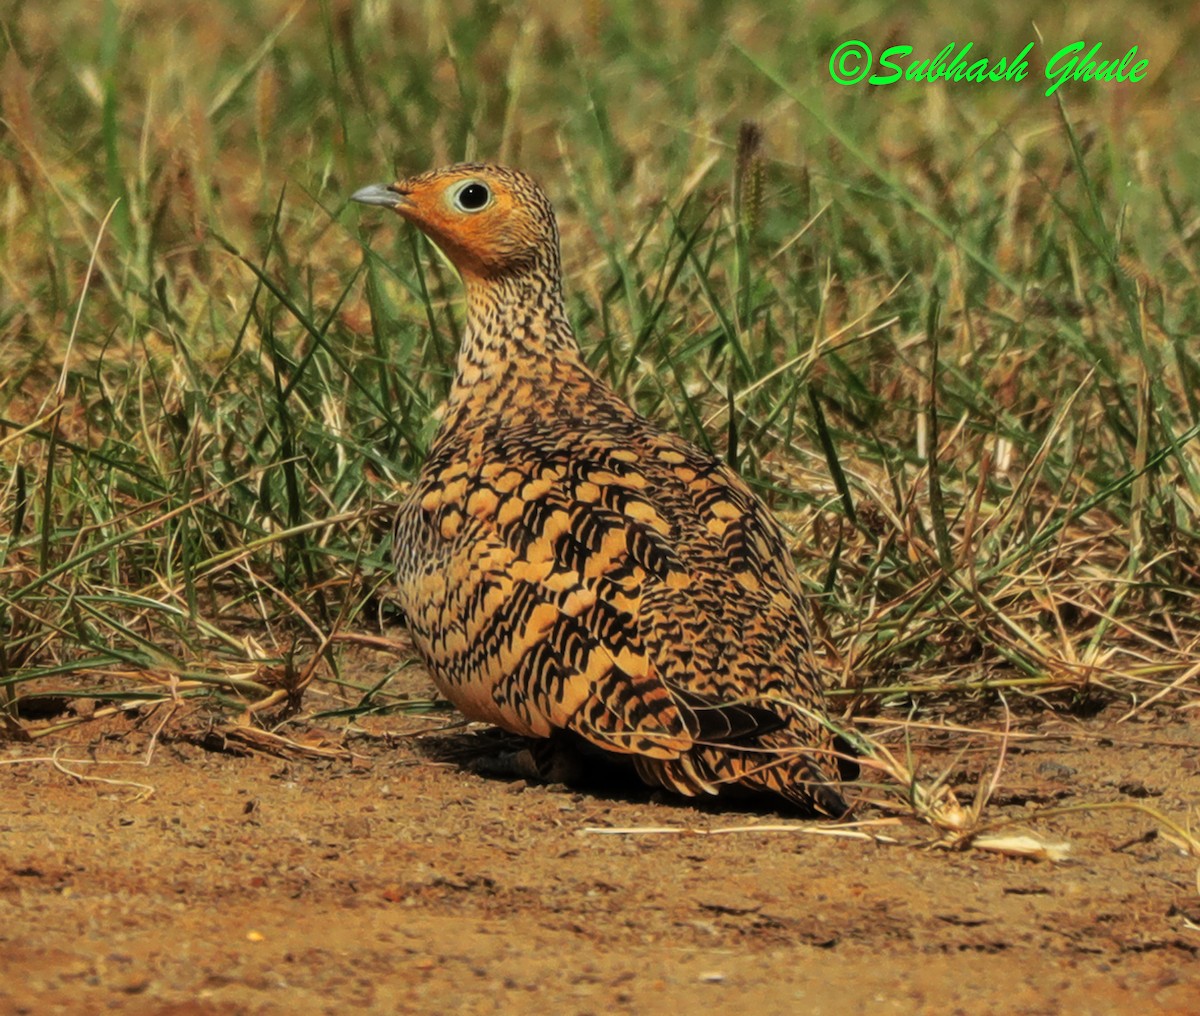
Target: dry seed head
<point>750,174</point>
<point>1133,268</point>
<point>750,137</point>
<point>754,196</point>
<point>593,19</point>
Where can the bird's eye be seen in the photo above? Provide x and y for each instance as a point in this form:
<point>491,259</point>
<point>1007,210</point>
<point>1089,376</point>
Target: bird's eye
<point>474,197</point>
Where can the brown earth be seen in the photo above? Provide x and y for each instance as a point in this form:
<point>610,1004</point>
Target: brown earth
<point>391,882</point>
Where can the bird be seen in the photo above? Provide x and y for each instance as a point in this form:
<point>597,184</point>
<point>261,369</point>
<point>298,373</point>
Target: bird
<point>570,570</point>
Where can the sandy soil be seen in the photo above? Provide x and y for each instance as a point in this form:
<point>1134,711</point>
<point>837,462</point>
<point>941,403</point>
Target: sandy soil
<point>395,882</point>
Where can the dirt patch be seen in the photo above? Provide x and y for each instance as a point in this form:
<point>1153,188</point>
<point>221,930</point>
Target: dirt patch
<point>394,883</point>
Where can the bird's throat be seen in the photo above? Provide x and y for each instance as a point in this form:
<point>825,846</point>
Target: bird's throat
<point>517,332</point>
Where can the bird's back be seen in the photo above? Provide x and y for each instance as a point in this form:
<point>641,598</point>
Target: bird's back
<point>565,564</point>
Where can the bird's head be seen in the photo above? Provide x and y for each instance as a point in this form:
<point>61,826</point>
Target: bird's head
<point>490,221</point>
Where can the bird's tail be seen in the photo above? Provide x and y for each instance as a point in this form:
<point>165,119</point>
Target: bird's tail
<point>808,775</point>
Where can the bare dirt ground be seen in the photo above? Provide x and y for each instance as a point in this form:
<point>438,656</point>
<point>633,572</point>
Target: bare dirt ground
<point>394,882</point>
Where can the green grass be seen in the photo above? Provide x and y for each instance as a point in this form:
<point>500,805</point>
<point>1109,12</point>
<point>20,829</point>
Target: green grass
<point>947,331</point>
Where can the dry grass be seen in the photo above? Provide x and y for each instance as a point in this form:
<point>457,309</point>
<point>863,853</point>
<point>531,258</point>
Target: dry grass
<point>948,332</point>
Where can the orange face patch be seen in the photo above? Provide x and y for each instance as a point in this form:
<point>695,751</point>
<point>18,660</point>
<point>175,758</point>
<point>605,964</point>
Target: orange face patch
<point>479,242</point>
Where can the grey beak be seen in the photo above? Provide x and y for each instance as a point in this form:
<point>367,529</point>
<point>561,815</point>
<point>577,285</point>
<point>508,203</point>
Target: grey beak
<point>378,194</point>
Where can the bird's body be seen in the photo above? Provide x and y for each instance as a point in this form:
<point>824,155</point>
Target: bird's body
<point>564,564</point>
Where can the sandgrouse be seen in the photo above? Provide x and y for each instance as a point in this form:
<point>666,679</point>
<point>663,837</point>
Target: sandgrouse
<point>566,566</point>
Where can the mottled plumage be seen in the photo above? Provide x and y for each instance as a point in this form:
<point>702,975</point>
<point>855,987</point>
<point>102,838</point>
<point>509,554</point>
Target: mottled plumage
<point>564,564</point>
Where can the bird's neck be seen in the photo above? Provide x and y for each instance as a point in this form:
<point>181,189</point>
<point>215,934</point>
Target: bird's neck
<point>516,331</point>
